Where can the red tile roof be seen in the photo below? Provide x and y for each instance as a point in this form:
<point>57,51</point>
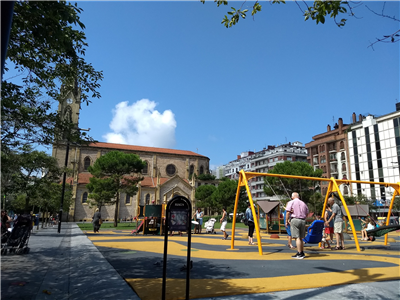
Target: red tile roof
<point>83,178</point>
<point>152,183</point>
<point>144,149</point>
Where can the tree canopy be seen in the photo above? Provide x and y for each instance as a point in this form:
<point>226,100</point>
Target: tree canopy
<point>285,186</point>
<point>113,173</point>
<point>204,195</point>
<point>318,11</point>
<point>225,194</point>
<point>46,50</point>
<point>31,173</point>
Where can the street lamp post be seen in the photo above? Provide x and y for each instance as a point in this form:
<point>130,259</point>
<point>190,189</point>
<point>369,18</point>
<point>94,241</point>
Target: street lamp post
<point>63,187</point>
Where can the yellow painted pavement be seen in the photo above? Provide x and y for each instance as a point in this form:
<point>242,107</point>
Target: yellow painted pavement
<point>148,289</point>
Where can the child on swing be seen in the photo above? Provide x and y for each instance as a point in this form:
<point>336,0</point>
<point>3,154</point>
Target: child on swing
<point>370,226</point>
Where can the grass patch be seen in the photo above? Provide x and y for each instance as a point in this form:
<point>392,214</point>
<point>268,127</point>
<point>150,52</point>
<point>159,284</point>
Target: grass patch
<point>130,226</point>
<point>121,226</point>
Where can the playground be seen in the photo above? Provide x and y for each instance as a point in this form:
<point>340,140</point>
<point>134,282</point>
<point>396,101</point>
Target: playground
<point>233,267</point>
<point>220,271</point>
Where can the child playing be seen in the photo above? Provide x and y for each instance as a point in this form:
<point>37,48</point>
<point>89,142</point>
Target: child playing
<point>324,241</point>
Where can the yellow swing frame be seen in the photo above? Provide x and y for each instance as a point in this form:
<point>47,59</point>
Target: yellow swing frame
<point>333,187</point>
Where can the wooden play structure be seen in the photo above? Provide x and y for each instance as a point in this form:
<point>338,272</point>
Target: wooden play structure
<point>150,219</point>
<point>333,187</point>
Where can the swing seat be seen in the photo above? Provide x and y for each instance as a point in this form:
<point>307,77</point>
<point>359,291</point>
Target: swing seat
<point>314,235</point>
<point>382,230</point>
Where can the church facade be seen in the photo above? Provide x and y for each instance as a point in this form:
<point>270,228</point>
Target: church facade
<point>168,172</point>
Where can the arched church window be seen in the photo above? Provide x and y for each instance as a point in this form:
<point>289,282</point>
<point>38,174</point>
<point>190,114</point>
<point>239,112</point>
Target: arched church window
<point>68,114</point>
<point>191,170</point>
<point>201,170</point>
<point>86,163</point>
<point>146,167</point>
<point>84,197</point>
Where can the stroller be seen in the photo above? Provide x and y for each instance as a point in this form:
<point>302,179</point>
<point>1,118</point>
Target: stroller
<point>17,240</point>
<point>209,225</point>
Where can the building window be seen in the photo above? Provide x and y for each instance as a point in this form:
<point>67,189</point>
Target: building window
<point>342,156</point>
<point>147,200</point>
<point>345,190</point>
<point>86,163</point>
<point>170,169</point>
<point>84,197</point>
<point>201,170</point>
<point>191,170</point>
<point>341,145</point>
<point>127,199</point>
<point>343,167</point>
<point>146,167</point>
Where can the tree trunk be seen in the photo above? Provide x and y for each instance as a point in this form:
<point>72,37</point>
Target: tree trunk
<point>27,204</point>
<point>116,211</point>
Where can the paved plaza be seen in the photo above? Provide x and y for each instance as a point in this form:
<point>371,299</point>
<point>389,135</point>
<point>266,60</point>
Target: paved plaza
<point>116,264</point>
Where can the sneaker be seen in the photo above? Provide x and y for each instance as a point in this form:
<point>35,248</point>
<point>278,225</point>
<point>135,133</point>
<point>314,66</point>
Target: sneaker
<point>301,255</point>
<point>295,256</point>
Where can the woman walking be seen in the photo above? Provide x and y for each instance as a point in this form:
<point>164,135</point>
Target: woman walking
<point>96,221</point>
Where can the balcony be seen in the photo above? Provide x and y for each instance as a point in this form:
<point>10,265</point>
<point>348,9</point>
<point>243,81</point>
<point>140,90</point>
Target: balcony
<point>334,171</point>
<point>332,150</point>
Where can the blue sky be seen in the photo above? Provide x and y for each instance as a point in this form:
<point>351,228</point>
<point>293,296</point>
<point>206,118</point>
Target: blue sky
<point>174,77</point>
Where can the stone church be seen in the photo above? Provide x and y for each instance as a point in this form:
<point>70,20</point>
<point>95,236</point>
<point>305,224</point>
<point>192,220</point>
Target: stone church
<point>166,174</point>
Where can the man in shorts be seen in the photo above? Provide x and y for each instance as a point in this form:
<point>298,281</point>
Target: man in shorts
<point>224,221</point>
<point>338,223</point>
<point>298,222</point>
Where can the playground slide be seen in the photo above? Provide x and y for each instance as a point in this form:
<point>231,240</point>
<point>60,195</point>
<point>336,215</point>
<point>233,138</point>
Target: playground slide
<point>139,229</point>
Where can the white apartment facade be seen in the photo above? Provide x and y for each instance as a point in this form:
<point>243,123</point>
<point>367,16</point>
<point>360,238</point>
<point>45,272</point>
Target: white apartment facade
<point>374,148</point>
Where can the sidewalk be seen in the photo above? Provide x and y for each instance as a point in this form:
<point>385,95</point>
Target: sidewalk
<point>60,266</point>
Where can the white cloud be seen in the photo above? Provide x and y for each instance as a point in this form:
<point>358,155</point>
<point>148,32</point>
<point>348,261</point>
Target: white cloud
<point>140,124</point>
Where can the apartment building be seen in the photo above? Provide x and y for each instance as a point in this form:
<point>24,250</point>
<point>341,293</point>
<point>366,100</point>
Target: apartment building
<point>262,161</point>
<point>328,151</point>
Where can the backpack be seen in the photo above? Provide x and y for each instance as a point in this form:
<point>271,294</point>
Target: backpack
<point>246,221</point>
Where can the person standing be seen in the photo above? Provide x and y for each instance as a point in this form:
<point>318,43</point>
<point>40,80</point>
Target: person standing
<point>297,223</point>
<point>288,231</point>
<point>224,221</point>
<point>198,215</point>
<point>250,223</point>
<point>96,221</point>
<point>338,224</point>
